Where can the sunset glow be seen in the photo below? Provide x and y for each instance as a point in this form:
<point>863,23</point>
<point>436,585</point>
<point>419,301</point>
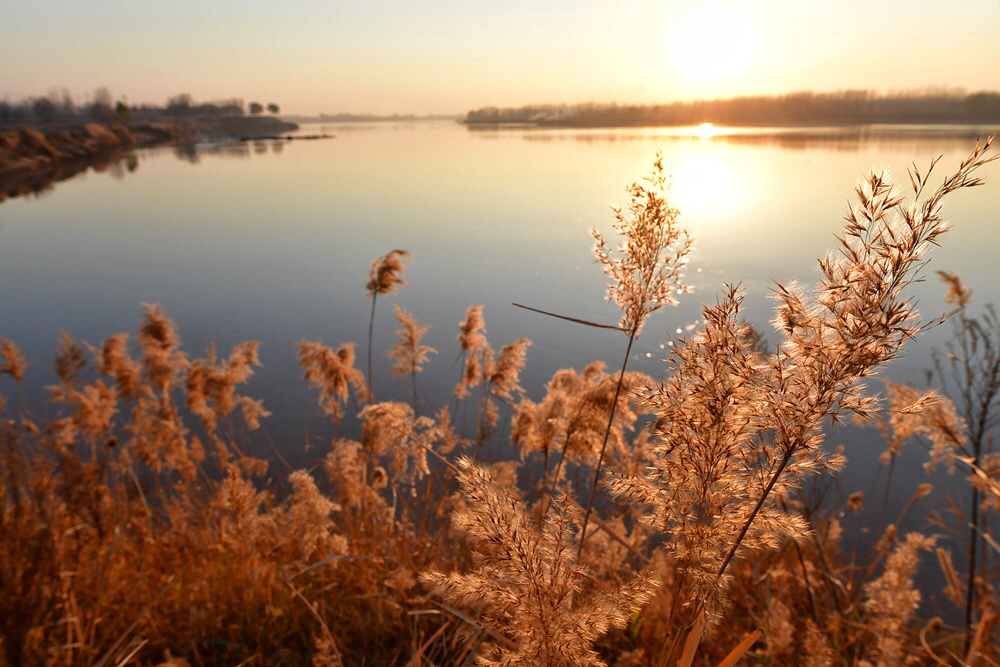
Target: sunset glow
<point>391,56</point>
<point>713,43</point>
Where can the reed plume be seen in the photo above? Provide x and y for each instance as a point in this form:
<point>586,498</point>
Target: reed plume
<point>571,419</point>
<point>496,374</point>
<point>526,582</point>
<point>892,600</point>
<point>211,387</point>
<point>14,363</point>
<point>409,355</point>
<point>912,413</point>
<point>384,276</point>
<point>646,272</point>
<point>391,429</point>
<point>646,269</point>
<point>114,359</point>
<point>472,329</point>
<point>162,359</point>
<point>472,341</point>
<point>333,373</point>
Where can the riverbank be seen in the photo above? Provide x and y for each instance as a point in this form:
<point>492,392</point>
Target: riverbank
<point>32,158</point>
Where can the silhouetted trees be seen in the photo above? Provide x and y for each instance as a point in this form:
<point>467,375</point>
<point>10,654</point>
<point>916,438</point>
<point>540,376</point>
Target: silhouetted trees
<point>58,107</point>
<point>101,109</point>
<point>184,106</point>
<point>847,107</point>
<point>44,109</point>
<point>179,105</point>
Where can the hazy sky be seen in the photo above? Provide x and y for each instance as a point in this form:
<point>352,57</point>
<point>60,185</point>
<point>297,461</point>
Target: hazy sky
<point>450,56</point>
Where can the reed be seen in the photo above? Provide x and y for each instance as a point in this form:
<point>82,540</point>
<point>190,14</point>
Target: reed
<point>384,276</point>
<point>646,273</point>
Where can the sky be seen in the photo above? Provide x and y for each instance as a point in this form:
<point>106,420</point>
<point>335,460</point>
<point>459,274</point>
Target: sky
<point>451,56</point>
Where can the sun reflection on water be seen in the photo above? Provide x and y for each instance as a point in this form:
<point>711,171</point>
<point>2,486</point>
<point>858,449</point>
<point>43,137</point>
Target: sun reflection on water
<point>708,189</point>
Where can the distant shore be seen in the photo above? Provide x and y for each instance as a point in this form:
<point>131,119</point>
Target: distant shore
<point>805,109</point>
<point>32,157</point>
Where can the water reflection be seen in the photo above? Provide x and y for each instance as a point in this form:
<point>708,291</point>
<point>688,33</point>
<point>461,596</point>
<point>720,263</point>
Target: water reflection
<point>193,151</point>
<point>838,138</point>
<point>119,168</point>
<point>27,182</point>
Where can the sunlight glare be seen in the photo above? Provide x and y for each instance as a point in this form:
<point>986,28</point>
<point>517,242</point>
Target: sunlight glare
<point>708,189</point>
<point>712,43</point>
<point>705,131</point>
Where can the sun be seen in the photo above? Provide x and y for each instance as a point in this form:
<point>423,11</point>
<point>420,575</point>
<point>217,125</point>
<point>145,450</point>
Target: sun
<point>711,43</point>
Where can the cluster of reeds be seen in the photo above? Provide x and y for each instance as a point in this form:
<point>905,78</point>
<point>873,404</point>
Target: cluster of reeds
<point>139,526</point>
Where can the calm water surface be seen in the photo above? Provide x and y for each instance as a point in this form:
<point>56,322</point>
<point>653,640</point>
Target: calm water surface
<point>273,242</point>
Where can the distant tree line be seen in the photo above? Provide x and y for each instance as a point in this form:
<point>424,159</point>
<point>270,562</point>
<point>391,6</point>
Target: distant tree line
<point>370,117</point>
<point>59,107</point>
<point>802,108</point>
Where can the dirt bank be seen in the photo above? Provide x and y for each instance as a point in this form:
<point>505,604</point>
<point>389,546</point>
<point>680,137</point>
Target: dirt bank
<point>33,158</point>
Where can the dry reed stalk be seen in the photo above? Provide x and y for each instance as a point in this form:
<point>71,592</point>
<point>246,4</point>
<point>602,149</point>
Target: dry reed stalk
<point>646,273</point>
<point>526,582</point>
<point>912,413</point>
<point>892,600</point>
<point>571,421</point>
<point>384,276</point>
<point>969,366</point>
<point>409,355</point>
<point>497,375</point>
<point>333,373</point>
<point>14,362</point>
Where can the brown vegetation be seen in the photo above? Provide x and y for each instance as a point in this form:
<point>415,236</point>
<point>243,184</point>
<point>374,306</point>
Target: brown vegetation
<point>31,160</point>
<point>134,529</point>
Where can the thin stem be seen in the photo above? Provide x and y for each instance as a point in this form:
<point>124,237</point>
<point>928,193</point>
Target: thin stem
<point>413,375</point>
<point>555,474</point>
<point>760,503</point>
<point>604,445</point>
<point>479,421</point>
<point>970,586</point>
<point>885,496</point>
<point>461,377</point>
<point>568,318</point>
<point>669,643</point>
<point>371,329</point>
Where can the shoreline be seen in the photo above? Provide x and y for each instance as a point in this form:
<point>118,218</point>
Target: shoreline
<point>33,158</point>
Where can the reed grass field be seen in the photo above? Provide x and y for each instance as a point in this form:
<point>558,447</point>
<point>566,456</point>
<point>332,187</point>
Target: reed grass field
<point>637,521</point>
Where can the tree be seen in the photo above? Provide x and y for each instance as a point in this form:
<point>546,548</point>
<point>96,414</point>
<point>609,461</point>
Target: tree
<point>273,108</point>
<point>256,108</point>
<point>44,109</point>
<point>66,103</point>
<point>179,105</point>
<point>101,109</point>
<point>123,113</point>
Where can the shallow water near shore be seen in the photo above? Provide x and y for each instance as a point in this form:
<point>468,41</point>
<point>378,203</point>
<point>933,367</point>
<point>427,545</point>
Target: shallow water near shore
<point>272,241</point>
